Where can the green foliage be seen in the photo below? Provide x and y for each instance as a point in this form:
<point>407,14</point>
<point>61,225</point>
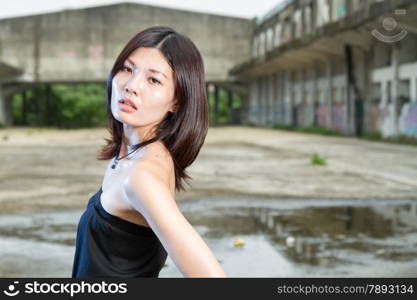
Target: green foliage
<point>318,160</point>
<point>311,129</point>
<point>250,124</point>
<point>1,125</point>
<point>283,127</point>
<point>373,136</point>
<point>68,106</point>
<point>320,130</point>
<point>223,106</point>
<point>401,139</point>
<point>80,106</point>
<point>405,139</point>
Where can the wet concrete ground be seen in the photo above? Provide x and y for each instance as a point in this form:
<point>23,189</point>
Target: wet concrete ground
<point>356,216</point>
<point>279,238</point>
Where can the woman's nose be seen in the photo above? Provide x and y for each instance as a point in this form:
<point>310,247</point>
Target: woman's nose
<point>129,90</point>
<point>133,85</point>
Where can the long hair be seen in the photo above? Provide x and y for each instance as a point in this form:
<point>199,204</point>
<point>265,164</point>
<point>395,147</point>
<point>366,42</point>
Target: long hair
<point>184,131</point>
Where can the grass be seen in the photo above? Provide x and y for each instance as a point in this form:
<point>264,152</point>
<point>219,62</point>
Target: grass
<point>310,129</point>
<point>319,130</point>
<point>370,136</point>
<point>318,160</point>
<point>401,139</point>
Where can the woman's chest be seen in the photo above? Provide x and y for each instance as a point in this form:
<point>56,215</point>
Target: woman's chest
<point>114,199</point>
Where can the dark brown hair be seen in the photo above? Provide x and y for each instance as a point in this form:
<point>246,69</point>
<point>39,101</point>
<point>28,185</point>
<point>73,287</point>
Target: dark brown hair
<point>183,132</point>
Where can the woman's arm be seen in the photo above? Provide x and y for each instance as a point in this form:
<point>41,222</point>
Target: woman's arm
<point>148,193</point>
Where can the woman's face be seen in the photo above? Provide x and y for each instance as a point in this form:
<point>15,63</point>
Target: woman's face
<point>147,80</point>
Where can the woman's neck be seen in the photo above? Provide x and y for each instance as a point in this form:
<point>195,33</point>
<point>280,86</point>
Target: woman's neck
<point>131,136</point>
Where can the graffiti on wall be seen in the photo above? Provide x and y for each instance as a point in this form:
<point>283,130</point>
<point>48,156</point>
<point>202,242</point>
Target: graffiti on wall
<point>322,116</point>
<point>408,119</point>
<point>383,120</point>
<point>387,121</point>
<point>373,117</point>
<point>305,115</point>
<point>338,117</point>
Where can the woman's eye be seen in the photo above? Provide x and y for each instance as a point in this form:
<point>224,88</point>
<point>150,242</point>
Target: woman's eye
<point>154,80</point>
<point>127,69</point>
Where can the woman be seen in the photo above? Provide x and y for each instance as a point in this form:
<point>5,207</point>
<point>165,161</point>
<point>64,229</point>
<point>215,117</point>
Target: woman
<point>158,120</point>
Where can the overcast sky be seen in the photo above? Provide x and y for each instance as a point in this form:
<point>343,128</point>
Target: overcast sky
<point>238,8</point>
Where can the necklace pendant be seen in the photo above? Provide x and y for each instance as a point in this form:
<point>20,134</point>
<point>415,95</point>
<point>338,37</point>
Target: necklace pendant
<point>113,166</point>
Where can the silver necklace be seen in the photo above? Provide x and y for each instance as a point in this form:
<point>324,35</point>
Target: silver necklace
<point>116,161</point>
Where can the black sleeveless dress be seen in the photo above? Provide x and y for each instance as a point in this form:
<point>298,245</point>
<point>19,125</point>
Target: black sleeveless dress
<point>108,246</point>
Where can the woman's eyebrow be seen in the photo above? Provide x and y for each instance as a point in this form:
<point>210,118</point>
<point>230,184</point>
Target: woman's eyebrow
<point>151,70</point>
<point>155,71</point>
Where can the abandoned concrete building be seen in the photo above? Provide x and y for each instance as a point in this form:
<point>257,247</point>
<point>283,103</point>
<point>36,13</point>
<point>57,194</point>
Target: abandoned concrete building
<point>346,65</point>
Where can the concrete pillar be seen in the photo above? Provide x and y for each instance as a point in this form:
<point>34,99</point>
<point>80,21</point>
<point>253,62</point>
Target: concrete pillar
<point>413,87</point>
<point>5,108</point>
<point>252,101</point>
<point>230,106</point>
<point>245,100</point>
<point>288,98</point>
<point>302,100</point>
<point>49,103</point>
<point>348,101</point>
<point>216,104</point>
<point>395,87</point>
<point>367,89</point>
<point>2,107</point>
<point>292,97</point>
<point>276,118</point>
<point>208,99</point>
<point>329,93</point>
<point>282,97</point>
<point>271,99</point>
<point>261,102</point>
<point>315,95</point>
<point>24,107</point>
<point>266,101</point>
<point>37,105</point>
<point>258,111</point>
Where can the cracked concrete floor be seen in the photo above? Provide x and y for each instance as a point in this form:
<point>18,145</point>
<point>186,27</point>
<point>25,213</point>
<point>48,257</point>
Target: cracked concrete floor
<point>48,169</point>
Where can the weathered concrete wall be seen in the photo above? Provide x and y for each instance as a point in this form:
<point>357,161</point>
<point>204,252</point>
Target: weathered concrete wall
<point>81,45</point>
<point>337,73</point>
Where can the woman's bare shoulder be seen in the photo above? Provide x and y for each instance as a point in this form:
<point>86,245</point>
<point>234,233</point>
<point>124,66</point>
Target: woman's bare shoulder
<point>157,160</point>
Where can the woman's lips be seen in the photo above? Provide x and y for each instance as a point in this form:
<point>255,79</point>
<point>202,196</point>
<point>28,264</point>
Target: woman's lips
<point>127,105</point>
<point>128,102</point>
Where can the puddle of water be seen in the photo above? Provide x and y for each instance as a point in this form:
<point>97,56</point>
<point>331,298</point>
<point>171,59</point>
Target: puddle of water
<point>279,238</point>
